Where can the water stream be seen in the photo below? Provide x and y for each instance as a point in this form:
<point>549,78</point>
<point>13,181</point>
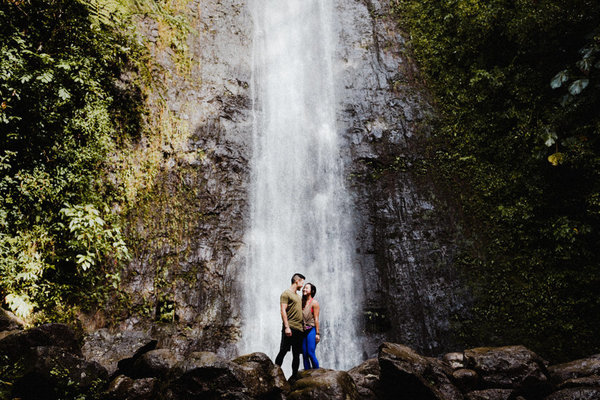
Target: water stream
<point>299,206</point>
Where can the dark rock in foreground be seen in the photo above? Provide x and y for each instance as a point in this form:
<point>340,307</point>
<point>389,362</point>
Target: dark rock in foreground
<point>583,393</point>
<point>109,349</point>
<point>510,367</point>
<point>490,394</point>
<point>126,365</point>
<point>205,375</point>
<point>9,321</point>
<point>575,369</point>
<point>154,363</point>
<point>366,377</point>
<point>47,363</point>
<point>408,375</point>
<point>262,378</point>
<point>18,344</point>
<point>323,384</point>
<point>126,388</point>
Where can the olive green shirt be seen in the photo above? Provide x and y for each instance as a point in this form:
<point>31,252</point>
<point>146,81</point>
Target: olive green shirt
<point>294,308</point>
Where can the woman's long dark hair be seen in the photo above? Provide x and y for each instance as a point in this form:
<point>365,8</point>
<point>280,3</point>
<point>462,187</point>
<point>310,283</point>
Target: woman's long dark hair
<point>313,291</point>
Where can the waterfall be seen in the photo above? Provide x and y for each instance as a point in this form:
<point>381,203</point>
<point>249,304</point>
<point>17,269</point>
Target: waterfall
<point>300,220</point>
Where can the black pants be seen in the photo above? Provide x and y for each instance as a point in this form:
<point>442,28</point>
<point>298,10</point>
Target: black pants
<point>295,342</point>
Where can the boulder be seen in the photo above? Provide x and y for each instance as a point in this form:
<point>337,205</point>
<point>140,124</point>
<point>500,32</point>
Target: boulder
<point>408,375</point>
<point>509,367</point>
<point>126,365</point>
<point>490,394</point>
<point>576,394</point>
<point>207,376</point>
<point>261,377</point>
<point>454,360</point>
<point>323,384</point>
<point>366,378</point>
<point>154,363</point>
<point>126,388</point>
<point>9,321</point>
<point>575,369</point>
<point>4,334</point>
<point>590,381</point>
<point>465,379</point>
<point>19,344</point>
<point>109,348</point>
<point>49,370</point>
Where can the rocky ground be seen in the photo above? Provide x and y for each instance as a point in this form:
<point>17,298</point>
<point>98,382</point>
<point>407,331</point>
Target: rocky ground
<point>47,362</point>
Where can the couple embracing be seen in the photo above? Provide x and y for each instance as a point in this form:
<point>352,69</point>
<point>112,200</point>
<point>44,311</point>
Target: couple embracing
<point>300,316</point>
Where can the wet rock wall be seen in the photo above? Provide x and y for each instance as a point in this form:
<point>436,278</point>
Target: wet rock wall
<point>405,233</point>
<point>186,228</point>
<point>186,225</point>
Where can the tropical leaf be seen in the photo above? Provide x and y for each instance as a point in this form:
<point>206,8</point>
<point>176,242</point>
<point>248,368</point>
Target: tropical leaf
<point>550,138</point>
<point>64,94</point>
<point>559,79</point>
<point>585,65</point>
<point>556,158</point>
<point>46,77</point>
<point>20,305</point>
<point>106,12</point>
<point>577,87</point>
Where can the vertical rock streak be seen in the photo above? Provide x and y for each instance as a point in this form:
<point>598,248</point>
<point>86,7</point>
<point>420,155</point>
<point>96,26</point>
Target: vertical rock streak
<point>299,205</point>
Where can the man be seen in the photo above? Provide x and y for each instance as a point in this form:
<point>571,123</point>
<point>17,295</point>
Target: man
<point>292,330</point>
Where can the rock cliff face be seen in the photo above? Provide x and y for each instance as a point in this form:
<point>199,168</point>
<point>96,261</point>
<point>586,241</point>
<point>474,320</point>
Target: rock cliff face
<point>404,243</point>
<point>187,226</point>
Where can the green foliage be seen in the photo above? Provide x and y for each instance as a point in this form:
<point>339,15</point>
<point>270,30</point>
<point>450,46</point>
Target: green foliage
<point>92,241</point>
<point>172,24</point>
<point>67,388</point>
<point>516,86</point>
<point>62,114</point>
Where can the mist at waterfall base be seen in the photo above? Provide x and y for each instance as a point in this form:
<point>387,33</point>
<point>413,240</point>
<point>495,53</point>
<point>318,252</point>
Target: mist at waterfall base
<point>300,218</point>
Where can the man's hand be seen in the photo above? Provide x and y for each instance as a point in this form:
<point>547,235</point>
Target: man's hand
<point>317,338</point>
<point>288,331</point>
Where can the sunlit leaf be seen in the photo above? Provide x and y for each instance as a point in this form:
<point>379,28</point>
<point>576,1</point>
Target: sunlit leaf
<point>550,138</point>
<point>64,94</point>
<point>585,65</point>
<point>578,86</point>
<point>20,305</point>
<point>556,158</point>
<point>46,77</point>
<point>559,79</point>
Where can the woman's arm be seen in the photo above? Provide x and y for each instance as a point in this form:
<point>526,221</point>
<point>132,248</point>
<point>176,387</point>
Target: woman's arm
<point>316,311</point>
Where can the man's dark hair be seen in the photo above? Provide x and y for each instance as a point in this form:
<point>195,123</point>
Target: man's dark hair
<point>297,276</point>
<point>313,289</point>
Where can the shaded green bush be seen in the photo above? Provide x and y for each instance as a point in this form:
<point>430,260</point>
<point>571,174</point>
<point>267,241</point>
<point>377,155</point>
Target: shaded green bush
<point>516,87</point>
<point>63,112</point>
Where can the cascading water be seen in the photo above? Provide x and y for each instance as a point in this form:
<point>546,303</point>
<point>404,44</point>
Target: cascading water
<point>299,213</point>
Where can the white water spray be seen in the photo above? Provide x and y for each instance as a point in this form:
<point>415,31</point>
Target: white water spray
<point>299,215</point>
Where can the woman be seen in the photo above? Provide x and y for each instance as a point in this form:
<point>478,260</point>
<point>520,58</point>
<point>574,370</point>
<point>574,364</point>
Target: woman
<point>310,313</point>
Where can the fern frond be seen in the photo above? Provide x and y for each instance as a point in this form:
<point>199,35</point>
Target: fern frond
<point>107,12</point>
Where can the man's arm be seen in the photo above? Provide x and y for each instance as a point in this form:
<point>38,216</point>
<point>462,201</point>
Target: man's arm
<point>286,325</point>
